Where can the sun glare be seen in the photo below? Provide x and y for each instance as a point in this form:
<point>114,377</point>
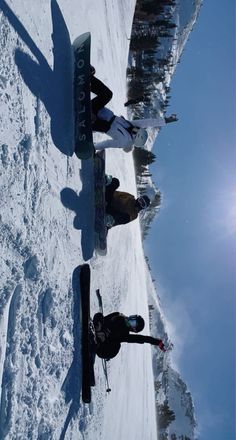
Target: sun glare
<point>225,217</point>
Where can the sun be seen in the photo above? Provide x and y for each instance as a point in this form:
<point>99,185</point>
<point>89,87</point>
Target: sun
<point>225,213</point>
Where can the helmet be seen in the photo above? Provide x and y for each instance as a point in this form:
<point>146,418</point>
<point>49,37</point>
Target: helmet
<point>136,323</point>
<point>143,202</point>
<point>140,138</point>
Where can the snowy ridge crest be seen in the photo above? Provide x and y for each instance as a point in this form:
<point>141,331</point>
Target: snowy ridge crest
<point>185,16</point>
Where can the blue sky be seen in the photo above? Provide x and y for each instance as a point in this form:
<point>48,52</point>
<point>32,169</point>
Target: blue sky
<point>193,257</point>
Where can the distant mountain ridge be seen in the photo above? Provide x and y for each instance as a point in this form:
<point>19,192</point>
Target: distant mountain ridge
<point>159,34</point>
<point>157,43</point>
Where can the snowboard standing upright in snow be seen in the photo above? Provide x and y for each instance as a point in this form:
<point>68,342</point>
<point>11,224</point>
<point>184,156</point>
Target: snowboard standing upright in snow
<point>100,240</point>
<point>84,147</point>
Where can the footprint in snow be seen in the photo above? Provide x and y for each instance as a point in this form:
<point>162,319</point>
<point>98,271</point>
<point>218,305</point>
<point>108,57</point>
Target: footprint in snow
<point>4,155</point>
<point>32,268</point>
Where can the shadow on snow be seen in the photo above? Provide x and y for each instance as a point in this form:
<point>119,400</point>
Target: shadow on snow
<point>72,383</point>
<point>83,207</point>
<point>53,86</point>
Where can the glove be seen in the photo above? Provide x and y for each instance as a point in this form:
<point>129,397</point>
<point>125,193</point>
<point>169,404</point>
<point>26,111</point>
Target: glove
<point>108,179</point>
<point>171,118</point>
<point>161,345</point>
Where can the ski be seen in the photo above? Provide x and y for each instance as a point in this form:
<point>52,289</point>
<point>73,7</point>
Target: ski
<point>84,148</point>
<point>104,361</point>
<point>100,203</point>
<point>85,340</point>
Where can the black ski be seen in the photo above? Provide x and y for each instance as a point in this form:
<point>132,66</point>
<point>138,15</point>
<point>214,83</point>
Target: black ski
<point>104,361</point>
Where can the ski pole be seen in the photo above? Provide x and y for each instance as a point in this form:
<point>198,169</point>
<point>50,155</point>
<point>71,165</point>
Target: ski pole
<point>104,364</point>
<point>99,300</point>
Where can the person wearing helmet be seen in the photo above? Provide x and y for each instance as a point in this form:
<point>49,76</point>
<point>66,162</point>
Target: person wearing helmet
<point>122,207</point>
<point>123,133</point>
<point>113,329</point>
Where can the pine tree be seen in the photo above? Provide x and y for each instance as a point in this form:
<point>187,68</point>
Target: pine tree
<point>165,415</point>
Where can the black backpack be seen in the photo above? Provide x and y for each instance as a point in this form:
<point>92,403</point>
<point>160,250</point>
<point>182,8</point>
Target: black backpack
<point>108,349</point>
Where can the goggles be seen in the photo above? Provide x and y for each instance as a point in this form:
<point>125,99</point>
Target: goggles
<point>142,202</point>
<point>133,321</point>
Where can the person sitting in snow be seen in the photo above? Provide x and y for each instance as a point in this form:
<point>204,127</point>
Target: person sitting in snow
<point>122,207</point>
<point>125,134</point>
<point>113,329</point>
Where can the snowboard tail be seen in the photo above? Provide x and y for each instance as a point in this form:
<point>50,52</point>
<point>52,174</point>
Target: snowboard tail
<point>84,148</point>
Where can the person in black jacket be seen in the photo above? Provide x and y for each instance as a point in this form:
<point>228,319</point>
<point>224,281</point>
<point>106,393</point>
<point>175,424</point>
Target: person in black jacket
<point>115,328</point>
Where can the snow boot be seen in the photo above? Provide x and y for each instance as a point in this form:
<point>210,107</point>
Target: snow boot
<point>108,179</point>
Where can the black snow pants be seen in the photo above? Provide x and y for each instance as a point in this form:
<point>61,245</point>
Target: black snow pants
<point>110,189</point>
<point>106,347</point>
<point>104,95</point>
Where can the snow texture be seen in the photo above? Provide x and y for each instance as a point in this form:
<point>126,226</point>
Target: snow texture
<point>46,231</point>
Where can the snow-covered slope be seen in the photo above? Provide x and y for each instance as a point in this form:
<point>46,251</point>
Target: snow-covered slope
<point>46,231</point>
